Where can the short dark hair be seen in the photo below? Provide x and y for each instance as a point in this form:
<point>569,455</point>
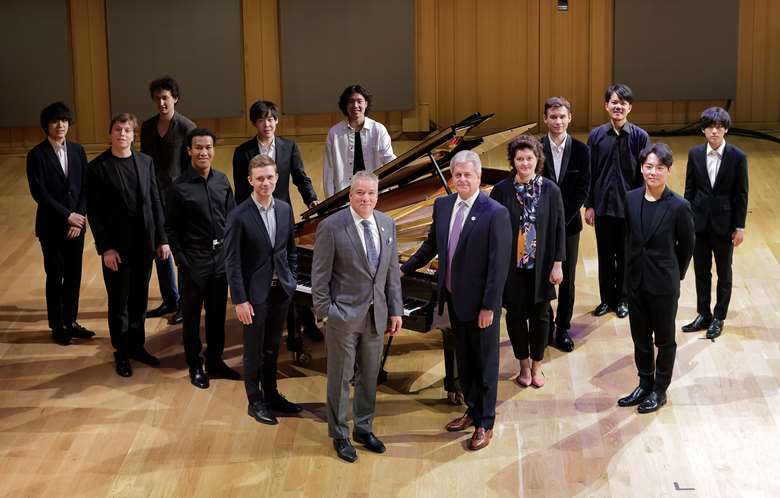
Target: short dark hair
<point>623,92</point>
<point>124,117</point>
<point>261,109</point>
<point>715,116</point>
<point>661,151</point>
<point>347,93</point>
<point>201,132</point>
<point>55,112</point>
<point>525,142</point>
<point>261,161</point>
<point>556,102</point>
<point>164,83</point>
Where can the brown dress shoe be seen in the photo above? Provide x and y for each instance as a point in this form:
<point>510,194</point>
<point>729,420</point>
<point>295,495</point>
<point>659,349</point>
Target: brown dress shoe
<point>459,423</point>
<point>480,438</point>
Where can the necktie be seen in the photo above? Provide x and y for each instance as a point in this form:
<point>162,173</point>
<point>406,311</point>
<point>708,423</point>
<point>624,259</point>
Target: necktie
<point>373,257</point>
<point>452,243</point>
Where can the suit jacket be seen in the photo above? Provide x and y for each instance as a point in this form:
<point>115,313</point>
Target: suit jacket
<point>288,163</point>
<point>108,213</point>
<point>481,256</point>
<point>177,159</point>
<point>343,284</point>
<point>724,205</point>
<point>57,195</point>
<point>550,237</point>
<point>251,257</point>
<point>658,261</point>
<point>574,180</point>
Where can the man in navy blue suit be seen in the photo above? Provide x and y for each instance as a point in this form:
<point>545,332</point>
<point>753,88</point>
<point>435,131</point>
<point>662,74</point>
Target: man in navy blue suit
<point>471,234</point>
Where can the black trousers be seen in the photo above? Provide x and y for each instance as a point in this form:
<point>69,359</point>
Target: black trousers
<point>709,245</point>
<point>195,295</point>
<point>565,308</point>
<point>477,351</point>
<point>611,249</point>
<point>527,322</point>
<point>128,290</point>
<point>62,263</point>
<point>261,345</point>
<point>652,321</point>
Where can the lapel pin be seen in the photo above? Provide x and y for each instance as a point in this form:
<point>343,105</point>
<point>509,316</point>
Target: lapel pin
<point>382,228</point>
<point>473,218</point>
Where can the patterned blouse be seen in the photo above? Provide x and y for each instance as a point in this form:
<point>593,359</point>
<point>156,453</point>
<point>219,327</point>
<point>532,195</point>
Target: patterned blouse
<point>528,195</point>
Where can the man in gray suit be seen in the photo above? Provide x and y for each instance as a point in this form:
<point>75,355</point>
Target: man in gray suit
<point>356,284</point>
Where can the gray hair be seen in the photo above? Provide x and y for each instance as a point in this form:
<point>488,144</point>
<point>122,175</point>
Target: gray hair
<point>467,156</point>
<point>364,175</point>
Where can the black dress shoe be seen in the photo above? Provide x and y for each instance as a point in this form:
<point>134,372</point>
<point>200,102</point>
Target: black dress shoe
<point>145,357</point>
<point>123,368</point>
<point>279,403</point>
<point>715,329</point>
<point>637,396</point>
<point>313,333</point>
<point>345,450</point>
<point>601,309</point>
<point>61,336</point>
<point>79,332</point>
<point>220,370</point>
<point>622,309</point>
<point>261,413</point>
<point>370,441</point>
<point>161,310</point>
<point>198,377</point>
<point>563,341</point>
<point>701,322</point>
<point>177,317</point>
<point>652,403</point>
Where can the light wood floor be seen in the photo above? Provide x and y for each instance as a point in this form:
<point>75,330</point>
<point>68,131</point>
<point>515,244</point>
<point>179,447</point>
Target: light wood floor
<point>70,427</point>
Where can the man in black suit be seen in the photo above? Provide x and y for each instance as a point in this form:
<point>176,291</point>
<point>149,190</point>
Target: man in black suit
<point>472,236</point>
<point>568,165</point>
<point>56,173</point>
<point>127,220</point>
<point>659,249</point>
<point>261,264</point>
<point>716,185</point>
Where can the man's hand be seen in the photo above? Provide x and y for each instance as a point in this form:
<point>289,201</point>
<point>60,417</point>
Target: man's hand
<point>485,319</point>
<point>111,260</point>
<point>245,312</point>
<point>556,274</point>
<point>313,203</point>
<point>77,220</point>
<point>394,326</point>
<point>590,216</point>
<point>73,232</point>
<point>737,237</point>
<point>163,251</point>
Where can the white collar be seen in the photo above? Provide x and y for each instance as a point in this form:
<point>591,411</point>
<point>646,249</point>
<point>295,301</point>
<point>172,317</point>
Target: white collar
<point>719,150</point>
<point>553,144</point>
<point>470,201</point>
<point>358,219</point>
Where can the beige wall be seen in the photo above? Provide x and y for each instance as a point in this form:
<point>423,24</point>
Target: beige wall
<point>502,56</point>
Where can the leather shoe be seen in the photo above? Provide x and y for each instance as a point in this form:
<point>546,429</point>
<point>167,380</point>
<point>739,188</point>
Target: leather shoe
<point>480,438</point>
<point>459,423</point>
<point>563,341</point>
<point>279,403</point>
<point>79,332</point>
<point>261,413</point>
<point>220,370</point>
<point>145,357</point>
<point>715,328</point>
<point>637,396</point>
<point>370,441</point>
<point>61,336</point>
<point>161,310</point>
<point>123,368</point>
<point>622,309</point>
<point>345,450</point>
<point>652,403</point>
<point>177,317</point>
<point>601,309</point>
<point>198,377</point>
<point>701,322</point>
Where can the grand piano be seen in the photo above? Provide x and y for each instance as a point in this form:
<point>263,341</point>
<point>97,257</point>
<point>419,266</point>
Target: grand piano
<point>408,186</point>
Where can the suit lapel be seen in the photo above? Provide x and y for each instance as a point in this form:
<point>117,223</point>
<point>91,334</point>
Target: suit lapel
<point>352,233</point>
<point>725,162</point>
<point>701,156</point>
<point>74,174</point>
<point>565,159</point>
<point>259,220</point>
<point>472,217</point>
<point>547,150</point>
<point>444,226</point>
<point>53,160</point>
<point>663,208</point>
<point>281,226</point>
<point>384,235</point>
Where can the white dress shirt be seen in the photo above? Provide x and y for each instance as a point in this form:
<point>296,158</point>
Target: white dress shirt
<point>557,152</point>
<point>269,220</point>
<point>374,229</point>
<point>469,203</point>
<point>340,153</point>
<point>714,158</point>
<point>62,154</point>
<point>269,151</point>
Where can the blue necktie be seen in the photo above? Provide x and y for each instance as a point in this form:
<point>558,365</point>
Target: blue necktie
<point>373,257</point>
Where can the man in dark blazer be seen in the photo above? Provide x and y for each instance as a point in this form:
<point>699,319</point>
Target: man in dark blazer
<point>567,163</point>
<point>472,236</point>
<point>56,173</point>
<point>128,224</point>
<point>716,185</point>
<point>659,249</point>
<point>261,265</point>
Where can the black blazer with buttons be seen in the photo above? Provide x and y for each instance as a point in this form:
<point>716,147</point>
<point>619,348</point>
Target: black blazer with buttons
<point>574,180</point>
<point>57,195</point>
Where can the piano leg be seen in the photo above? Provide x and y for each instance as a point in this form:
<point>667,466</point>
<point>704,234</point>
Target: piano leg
<point>295,343</point>
<point>451,382</point>
<point>382,372</point>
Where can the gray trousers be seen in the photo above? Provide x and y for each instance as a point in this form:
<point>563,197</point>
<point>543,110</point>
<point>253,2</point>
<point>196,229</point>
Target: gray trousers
<point>348,345</point>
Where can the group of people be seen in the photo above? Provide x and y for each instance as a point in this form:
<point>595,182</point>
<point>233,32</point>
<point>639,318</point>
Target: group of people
<point>506,250</point>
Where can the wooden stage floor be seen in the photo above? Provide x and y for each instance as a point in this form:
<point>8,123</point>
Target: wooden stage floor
<point>70,427</point>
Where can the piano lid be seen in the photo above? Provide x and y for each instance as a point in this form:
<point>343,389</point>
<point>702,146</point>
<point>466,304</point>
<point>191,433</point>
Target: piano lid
<point>408,166</point>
